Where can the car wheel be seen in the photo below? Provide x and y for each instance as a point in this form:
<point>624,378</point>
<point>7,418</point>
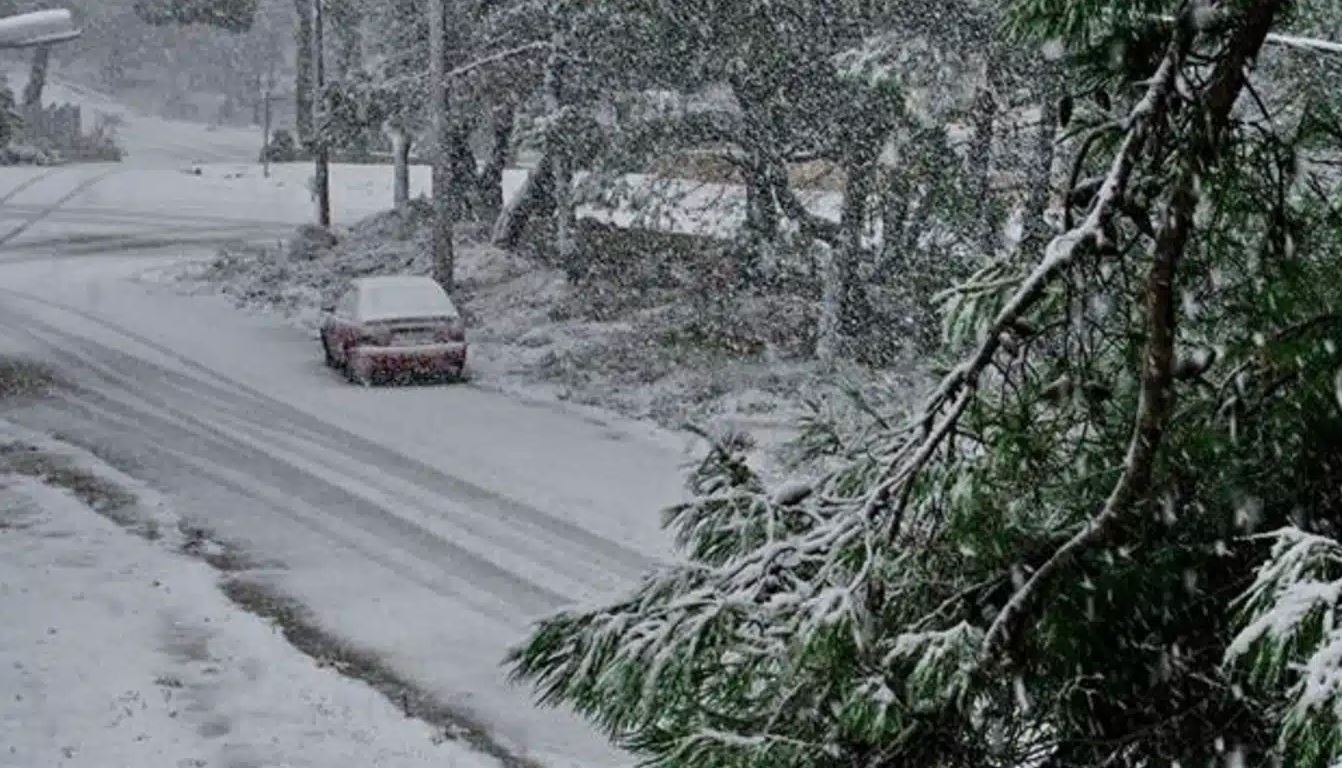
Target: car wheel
<point>331,362</point>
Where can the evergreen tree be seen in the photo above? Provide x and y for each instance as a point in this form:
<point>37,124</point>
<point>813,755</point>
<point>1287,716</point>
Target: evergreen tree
<point>1050,562</point>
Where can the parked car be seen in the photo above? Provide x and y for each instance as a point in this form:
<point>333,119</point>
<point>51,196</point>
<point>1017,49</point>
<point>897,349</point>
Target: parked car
<point>394,327</point>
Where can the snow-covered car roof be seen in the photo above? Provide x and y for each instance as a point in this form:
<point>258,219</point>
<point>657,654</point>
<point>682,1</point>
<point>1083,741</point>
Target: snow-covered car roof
<point>401,297</point>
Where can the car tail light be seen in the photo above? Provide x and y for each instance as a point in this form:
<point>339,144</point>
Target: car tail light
<point>452,331</point>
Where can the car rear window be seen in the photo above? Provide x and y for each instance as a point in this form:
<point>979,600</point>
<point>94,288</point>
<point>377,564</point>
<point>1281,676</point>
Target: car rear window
<point>409,300</point>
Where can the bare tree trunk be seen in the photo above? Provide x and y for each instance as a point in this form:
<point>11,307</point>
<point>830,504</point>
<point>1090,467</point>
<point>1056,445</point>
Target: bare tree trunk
<point>761,213</point>
<point>400,149</point>
<point>1041,173</point>
<point>981,159</point>
<point>37,79</point>
<point>491,178</point>
<point>463,168</point>
<point>827,337</point>
<point>443,185</point>
<point>852,223</point>
<point>557,146</point>
<point>322,174</point>
<point>303,76</point>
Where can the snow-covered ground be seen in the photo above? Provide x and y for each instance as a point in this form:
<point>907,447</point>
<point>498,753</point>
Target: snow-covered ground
<point>427,525</point>
<point>117,651</point>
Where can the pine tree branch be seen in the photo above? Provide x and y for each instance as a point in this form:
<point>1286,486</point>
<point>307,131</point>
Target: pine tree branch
<point>948,403</point>
<point>1156,398</point>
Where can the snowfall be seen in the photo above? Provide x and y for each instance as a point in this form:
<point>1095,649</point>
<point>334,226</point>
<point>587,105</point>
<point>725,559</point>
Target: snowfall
<point>427,527</point>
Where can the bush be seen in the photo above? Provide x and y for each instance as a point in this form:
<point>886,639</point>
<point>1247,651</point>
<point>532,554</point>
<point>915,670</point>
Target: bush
<point>281,149</point>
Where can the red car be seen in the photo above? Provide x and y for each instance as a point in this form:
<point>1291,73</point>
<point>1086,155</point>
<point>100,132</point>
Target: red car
<point>394,327</point>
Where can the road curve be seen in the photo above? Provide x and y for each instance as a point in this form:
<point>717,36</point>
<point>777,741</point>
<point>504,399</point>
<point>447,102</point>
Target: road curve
<point>430,525</point>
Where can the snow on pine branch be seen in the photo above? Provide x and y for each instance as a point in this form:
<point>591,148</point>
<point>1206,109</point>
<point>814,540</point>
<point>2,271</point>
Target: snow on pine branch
<point>778,583</point>
<point>1291,639</point>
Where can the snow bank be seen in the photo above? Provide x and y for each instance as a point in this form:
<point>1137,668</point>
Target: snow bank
<point>125,653</point>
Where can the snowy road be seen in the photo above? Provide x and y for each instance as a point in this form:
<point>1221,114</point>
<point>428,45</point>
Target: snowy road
<point>430,525</point>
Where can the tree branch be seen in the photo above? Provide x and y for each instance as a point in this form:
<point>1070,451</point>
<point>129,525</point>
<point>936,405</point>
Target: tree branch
<point>1157,396</point>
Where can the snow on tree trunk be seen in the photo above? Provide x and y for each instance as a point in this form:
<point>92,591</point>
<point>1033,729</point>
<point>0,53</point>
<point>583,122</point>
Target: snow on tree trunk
<point>37,79</point>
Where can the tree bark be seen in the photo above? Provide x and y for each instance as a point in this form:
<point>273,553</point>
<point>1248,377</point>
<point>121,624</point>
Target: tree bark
<point>444,187</point>
<point>37,78</point>
<point>303,76</point>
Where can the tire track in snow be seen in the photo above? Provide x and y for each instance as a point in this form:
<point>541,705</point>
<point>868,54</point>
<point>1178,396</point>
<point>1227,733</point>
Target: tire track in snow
<point>252,401</point>
<point>326,489</point>
<point>80,188</point>
<point>133,216</point>
<point>423,569</point>
<point>26,184</point>
<point>516,544</point>
<point>114,245</point>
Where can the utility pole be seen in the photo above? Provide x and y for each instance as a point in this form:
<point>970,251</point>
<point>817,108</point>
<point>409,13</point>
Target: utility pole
<point>443,185</point>
<point>322,176</point>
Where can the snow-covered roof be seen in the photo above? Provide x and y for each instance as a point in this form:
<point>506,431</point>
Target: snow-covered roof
<point>37,28</point>
<point>396,297</point>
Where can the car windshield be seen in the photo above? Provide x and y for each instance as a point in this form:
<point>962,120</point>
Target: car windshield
<point>404,300</point>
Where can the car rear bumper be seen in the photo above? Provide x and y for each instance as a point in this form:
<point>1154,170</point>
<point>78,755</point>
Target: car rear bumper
<point>426,358</point>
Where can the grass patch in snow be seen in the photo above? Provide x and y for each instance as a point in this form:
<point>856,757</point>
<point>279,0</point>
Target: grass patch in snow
<point>303,632</point>
<point>97,493</point>
<point>25,378</point>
